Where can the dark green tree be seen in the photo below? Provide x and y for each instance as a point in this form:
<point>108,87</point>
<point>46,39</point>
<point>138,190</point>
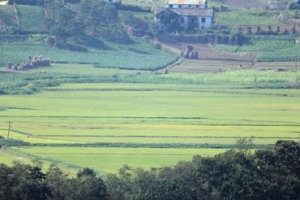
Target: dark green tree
<point>57,182</point>
<point>62,22</point>
<point>87,186</point>
<point>23,182</point>
<point>96,14</point>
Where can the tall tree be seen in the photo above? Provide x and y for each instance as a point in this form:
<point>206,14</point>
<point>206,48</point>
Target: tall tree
<point>95,14</point>
<point>62,22</point>
<point>87,186</point>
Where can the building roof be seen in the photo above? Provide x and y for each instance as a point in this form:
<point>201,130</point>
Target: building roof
<point>194,12</point>
<point>189,2</point>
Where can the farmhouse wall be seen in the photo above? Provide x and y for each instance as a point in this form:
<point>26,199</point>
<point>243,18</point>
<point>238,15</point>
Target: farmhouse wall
<point>201,6</point>
<point>202,22</point>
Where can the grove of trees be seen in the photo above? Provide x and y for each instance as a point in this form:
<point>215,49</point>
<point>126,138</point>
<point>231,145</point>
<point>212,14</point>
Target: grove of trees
<point>65,21</point>
<point>236,174</point>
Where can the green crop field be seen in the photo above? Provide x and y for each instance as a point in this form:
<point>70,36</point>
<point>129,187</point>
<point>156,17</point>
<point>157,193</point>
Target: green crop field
<point>111,159</point>
<point>107,125</point>
<point>260,43</point>
<point>138,55</point>
<point>281,55</point>
<point>245,17</point>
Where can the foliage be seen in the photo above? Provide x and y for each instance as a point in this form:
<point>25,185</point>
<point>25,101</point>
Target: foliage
<point>137,25</point>
<point>62,22</point>
<point>91,17</point>
<point>294,6</point>
<point>263,175</point>
<point>96,14</point>
<point>116,34</point>
<point>12,142</point>
<point>231,175</point>
<point>25,182</point>
<point>134,8</point>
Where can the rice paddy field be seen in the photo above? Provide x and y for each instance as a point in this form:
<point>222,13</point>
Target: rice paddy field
<point>142,124</point>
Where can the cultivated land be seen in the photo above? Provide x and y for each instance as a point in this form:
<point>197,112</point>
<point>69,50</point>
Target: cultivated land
<point>106,125</point>
<point>114,105</point>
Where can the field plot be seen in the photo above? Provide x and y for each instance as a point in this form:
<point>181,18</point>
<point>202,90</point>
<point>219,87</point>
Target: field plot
<point>107,125</point>
<point>110,159</point>
<point>245,17</point>
<point>138,55</point>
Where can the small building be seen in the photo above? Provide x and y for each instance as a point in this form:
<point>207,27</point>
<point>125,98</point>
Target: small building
<point>182,4</point>
<point>185,15</point>
<point>186,19</point>
<point>275,5</point>
<point>3,3</point>
<point>112,1</point>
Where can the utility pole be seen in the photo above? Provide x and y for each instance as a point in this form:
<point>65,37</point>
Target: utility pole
<point>296,65</point>
<point>255,81</point>
<point>8,130</point>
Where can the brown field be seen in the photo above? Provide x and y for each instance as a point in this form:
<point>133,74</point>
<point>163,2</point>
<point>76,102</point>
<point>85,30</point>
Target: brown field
<point>212,61</point>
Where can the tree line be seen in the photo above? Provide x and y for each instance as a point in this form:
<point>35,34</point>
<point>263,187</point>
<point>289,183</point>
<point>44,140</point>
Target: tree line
<point>236,174</point>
